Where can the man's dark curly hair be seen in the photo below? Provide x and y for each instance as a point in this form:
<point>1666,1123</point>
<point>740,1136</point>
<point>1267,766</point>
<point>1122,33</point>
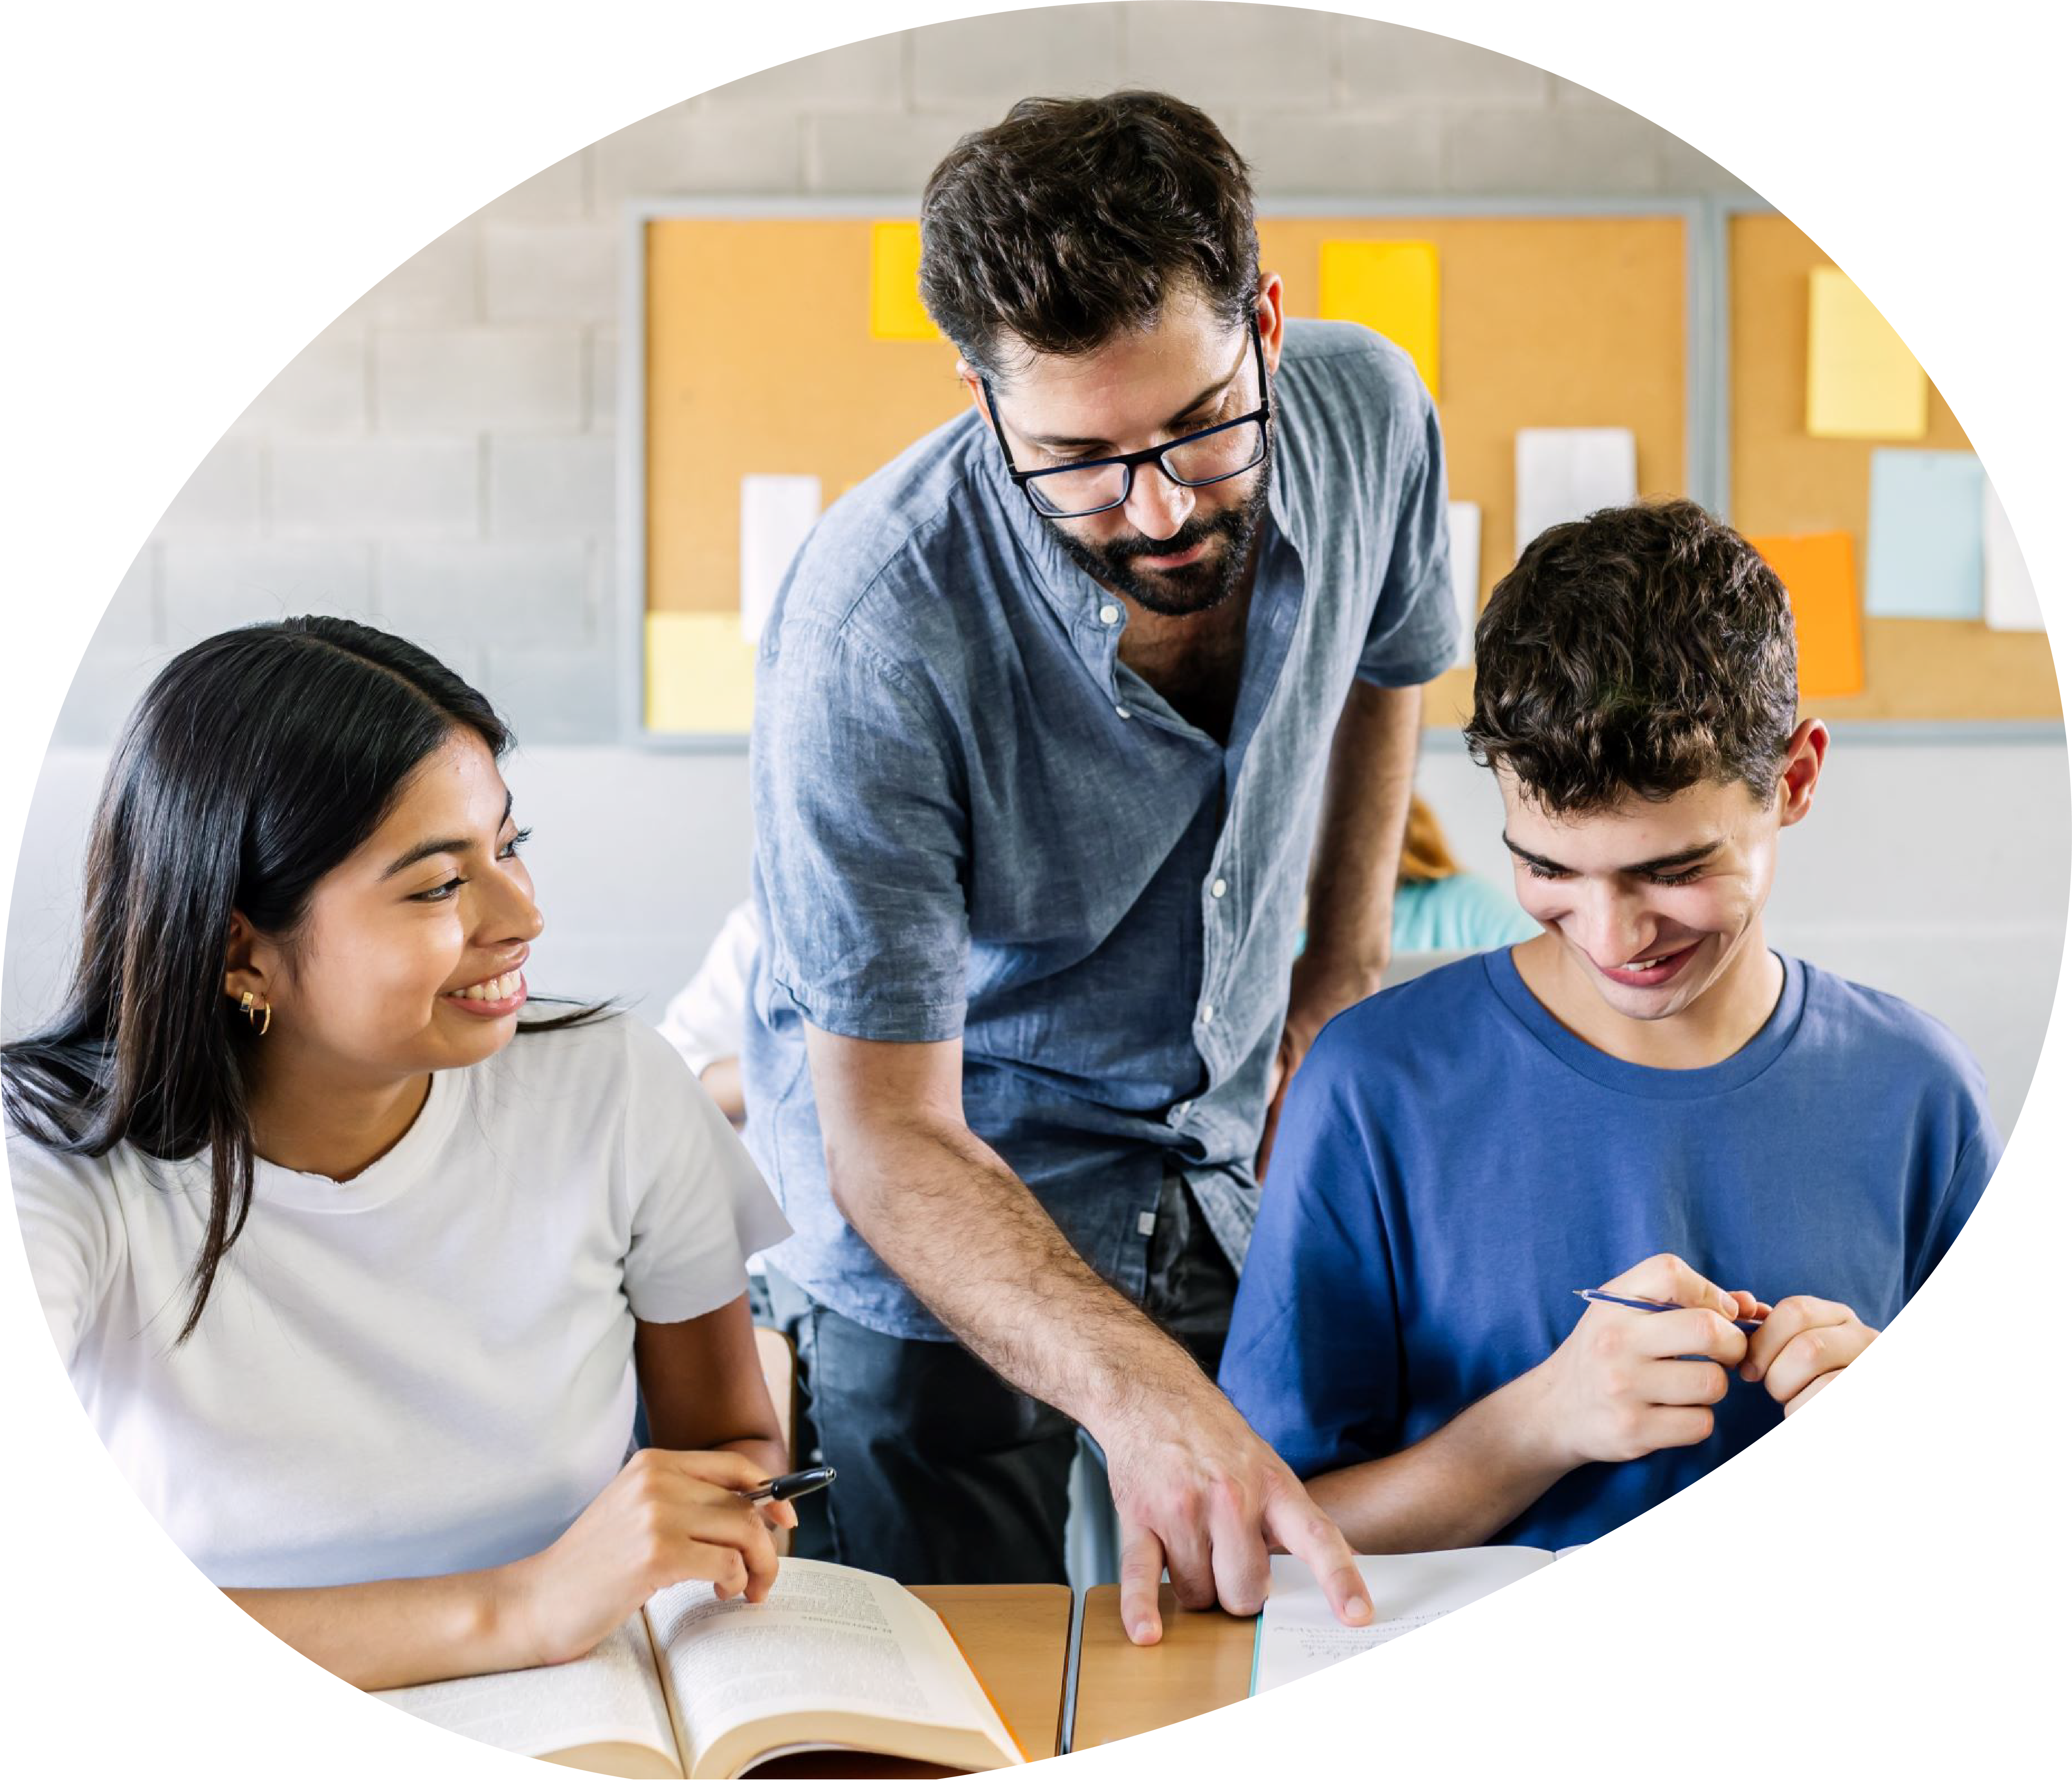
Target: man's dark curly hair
<point>1638,651</point>
<point>1071,221</point>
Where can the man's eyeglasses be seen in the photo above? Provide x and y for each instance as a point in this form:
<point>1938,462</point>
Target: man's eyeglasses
<point>1086,487</point>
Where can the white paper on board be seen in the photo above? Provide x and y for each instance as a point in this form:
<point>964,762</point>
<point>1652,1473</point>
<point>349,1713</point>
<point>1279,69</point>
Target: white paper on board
<point>1564,474</point>
<point>1464,524</point>
<point>778,512</point>
<point>2010,593</point>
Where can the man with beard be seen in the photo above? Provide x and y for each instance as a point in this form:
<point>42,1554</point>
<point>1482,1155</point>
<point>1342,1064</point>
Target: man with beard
<point>1051,712</point>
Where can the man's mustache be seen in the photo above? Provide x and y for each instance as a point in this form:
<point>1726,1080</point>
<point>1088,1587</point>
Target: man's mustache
<point>1190,534</point>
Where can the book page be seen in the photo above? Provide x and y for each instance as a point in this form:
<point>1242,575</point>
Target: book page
<point>611,1695</point>
<point>1298,1634</point>
<point>826,1639</point>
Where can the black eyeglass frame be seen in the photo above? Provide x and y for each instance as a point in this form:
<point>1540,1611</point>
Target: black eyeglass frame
<point>1130,463</point>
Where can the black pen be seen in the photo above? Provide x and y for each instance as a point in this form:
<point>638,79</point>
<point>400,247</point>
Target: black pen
<point>791,1486</point>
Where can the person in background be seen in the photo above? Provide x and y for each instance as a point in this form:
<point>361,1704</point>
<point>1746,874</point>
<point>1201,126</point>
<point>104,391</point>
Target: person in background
<point>1643,1100</point>
<point>704,1020</point>
<point>356,1253</point>
<point>1441,908</point>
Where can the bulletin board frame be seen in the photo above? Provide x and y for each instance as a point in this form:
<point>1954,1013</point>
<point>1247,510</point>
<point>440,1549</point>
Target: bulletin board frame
<point>1889,653</point>
<point>1707,396</point>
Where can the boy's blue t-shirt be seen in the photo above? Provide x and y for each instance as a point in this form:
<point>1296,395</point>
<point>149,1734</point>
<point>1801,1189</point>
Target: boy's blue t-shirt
<point>1451,1163</point>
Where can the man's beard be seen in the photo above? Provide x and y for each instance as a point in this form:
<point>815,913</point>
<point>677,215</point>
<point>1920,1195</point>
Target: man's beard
<point>1184,590</point>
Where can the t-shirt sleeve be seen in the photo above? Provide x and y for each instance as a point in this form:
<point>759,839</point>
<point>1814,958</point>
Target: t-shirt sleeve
<point>1313,1360</point>
<point>1975,1164</point>
<point>862,840</point>
<point>699,1206</point>
<point>1415,632</point>
<point>72,1234</point>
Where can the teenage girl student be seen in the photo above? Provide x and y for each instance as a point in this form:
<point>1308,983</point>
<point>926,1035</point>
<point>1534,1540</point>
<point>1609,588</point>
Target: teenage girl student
<point>355,1270</point>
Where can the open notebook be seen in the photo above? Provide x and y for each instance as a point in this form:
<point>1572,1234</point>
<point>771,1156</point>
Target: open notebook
<point>692,1687</point>
<point>1298,1634</point>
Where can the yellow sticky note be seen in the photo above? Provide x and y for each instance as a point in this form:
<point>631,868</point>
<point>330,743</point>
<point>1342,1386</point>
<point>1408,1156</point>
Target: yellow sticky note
<point>1861,381</point>
<point>1390,286</point>
<point>1819,574</point>
<point>701,672</point>
<point>896,312</point>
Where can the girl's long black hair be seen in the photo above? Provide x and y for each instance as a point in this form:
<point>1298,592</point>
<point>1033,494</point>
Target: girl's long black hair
<point>258,761</point>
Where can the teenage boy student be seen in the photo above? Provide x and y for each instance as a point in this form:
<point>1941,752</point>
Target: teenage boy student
<point>1646,1099</point>
<point>1053,715</point>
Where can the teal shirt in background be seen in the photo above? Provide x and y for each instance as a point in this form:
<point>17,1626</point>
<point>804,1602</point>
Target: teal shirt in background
<point>1459,913</point>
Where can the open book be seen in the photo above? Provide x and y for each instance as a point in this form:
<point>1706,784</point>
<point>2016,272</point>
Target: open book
<point>1298,1634</point>
<point>692,1687</point>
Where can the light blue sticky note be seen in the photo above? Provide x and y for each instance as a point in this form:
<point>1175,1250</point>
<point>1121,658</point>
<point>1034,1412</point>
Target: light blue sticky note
<point>1927,534</point>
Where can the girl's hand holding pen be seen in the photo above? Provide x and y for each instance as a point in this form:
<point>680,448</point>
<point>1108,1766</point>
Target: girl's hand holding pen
<point>669,1515</point>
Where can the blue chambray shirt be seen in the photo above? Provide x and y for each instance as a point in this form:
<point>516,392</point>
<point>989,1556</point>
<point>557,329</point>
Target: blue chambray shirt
<point>972,821</point>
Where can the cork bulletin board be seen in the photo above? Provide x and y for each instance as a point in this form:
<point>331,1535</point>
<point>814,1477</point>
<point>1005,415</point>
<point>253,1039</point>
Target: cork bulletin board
<point>768,346</point>
<point>1784,480</point>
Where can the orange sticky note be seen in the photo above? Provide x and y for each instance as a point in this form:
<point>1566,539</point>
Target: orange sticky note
<point>897,314</point>
<point>1393,287</point>
<point>1820,572</point>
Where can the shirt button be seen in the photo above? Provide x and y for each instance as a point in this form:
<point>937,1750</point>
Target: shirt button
<point>1110,614</point>
<point>1146,1223</point>
<point>1122,711</point>
<point>1219,889</point>
<point>1208,1011</point>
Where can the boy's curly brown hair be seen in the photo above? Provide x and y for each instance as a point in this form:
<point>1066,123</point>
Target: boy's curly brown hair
<point>1641,651</point>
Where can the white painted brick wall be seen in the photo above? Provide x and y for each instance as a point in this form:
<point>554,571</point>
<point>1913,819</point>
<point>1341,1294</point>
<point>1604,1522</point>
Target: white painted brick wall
<point>1388,65</point>
<point>444,453</point>
<point>551,484</point>
<point>550,273</point>
<point>441,283</point>
<point>1224,56</point>
<point>379,488</point>
<point>603,385</point>
<point>326,390</point>
<point>487,591</point>
<point>208,586</point>
<point>1342,152</point>
<point>443,381</point>
<point>855,152</point>
<point>224,494</point>
<point>993,61</point>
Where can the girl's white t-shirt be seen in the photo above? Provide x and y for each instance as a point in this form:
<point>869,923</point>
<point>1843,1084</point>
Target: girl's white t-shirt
<point>428,1367</point>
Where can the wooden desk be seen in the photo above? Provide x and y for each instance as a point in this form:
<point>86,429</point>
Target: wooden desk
<point>1017,1640</point>
<point>1203,1663</point>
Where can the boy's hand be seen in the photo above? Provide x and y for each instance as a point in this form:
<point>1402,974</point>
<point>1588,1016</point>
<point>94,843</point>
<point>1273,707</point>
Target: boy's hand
<point>1803,1344</point>
<point>1615,1390</point>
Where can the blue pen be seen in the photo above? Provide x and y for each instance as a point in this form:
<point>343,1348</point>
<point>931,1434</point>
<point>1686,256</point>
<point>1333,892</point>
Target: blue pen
<point>1599,1295</point>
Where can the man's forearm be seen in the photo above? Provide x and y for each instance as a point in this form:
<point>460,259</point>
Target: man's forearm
<point>1456,1488</point>
<point>959,1227</point>
<point>1359,834</point>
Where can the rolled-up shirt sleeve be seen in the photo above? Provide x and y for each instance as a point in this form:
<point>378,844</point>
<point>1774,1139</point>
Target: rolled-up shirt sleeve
<point>1415,632</point>
<point>862,840</point>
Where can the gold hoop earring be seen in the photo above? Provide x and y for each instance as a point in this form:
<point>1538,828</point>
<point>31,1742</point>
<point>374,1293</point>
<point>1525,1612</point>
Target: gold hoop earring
<point>245,1004</point>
